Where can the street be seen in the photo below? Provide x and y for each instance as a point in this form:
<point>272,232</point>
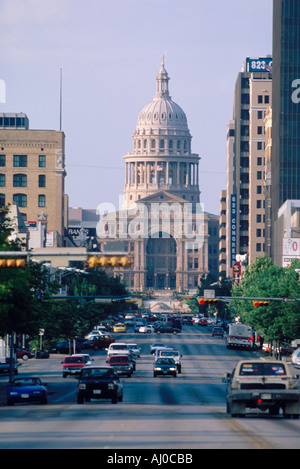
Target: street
<point>186,412</point>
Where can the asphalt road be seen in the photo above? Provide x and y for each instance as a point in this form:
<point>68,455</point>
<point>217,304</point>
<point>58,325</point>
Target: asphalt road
<point>163,413</point>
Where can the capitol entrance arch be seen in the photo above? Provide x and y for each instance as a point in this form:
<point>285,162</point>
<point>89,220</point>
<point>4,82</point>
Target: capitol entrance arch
<point>161,262</point>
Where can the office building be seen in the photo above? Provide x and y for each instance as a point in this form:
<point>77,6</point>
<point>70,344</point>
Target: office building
<point>32,174</point>
<point>285,185</point>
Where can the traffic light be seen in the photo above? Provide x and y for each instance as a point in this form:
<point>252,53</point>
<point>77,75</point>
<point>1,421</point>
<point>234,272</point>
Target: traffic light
<point>259,303</point>
<point>109,261</point>
<point>13,263</point>
<point>208,301</point>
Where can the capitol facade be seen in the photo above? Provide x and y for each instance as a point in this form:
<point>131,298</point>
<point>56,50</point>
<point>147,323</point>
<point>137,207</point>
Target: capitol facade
<point>162,223</point>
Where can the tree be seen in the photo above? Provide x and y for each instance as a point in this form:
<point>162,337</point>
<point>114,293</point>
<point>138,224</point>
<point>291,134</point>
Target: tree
<point>262,279</point>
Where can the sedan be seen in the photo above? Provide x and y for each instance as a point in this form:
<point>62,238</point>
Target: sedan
<point>166,329</point>
<point>24,354</point>
<point>119,327</point>
<point>26,390</point>
<point>146,329</point>
<point>165,367</point>
<point>218,331</point>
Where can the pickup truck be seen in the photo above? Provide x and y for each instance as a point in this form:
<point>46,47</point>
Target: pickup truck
<point>264,385</point>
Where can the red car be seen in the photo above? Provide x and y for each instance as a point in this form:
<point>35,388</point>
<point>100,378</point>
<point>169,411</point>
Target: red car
<point>202,322</point>
<point>24,354</point>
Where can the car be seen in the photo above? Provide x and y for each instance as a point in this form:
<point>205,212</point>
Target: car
<point>156,345</point>
<point>119,327</point>
<point>166,329</point>
<point>63,346</point>
<point>92,334</point>
<point>187,320</point>
<point>5,366</point>
<point>218,331</point>
<point>138,325</point>
<point>146,329</point>
<point>24,354</point>
<point>129,319</point>
<point>171,353</point>
<point>134,349</point>
<point>26,389</point>
<point>117,348</point>
<point>99,382</point>
<point>296,358</point>
<point>165,366</point>
<point>72,364</point>
<point>121,364</point>
<point>98,343</point>
<point>86,357</point>
<point>202,322</point>
<point>286,349</point>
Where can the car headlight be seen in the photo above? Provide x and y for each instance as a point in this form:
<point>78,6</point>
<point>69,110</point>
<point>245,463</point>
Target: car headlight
<point>172,369</point>
<point>157,368</point>
<point>111,385</point>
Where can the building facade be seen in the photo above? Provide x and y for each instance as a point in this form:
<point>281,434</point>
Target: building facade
<point>285,115</point>
<point>245,200</point>
<point>32,174</point>
<point>162,224</point>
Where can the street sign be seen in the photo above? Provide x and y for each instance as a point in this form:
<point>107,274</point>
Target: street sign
<point>209,293</point>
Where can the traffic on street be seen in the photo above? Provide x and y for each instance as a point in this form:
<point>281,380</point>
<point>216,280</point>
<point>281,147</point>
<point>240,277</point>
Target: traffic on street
<point>148,408</point>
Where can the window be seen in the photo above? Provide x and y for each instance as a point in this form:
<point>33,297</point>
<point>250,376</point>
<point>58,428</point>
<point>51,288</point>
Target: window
<point>153,143</point>
<point>2,180</point>
<point>258,218</point>
<point>267,99</point>
<point>20,180</point>
<point>259,99</point>
<point>42,161</point>
<point>162,144</point>
<point>258,190</point>
<point>20,200</point>
<point>259,130</point>
<point>42,200</point>
<point>259,175</point>
<point>2,200</point>
<point>20,161</point>
<point>259,114</point>
<point>2,160</point>
<point>258,247</point>
<point>42,180</point>
<point>258,204</point>
<point>258,233</point>
<point>259,161</point>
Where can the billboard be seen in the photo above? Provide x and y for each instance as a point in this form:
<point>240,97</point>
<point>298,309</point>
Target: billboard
<point>259,64</point>
<point>290,250</point>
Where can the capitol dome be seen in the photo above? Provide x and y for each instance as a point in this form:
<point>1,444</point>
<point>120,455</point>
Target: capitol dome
<point>162,113</point>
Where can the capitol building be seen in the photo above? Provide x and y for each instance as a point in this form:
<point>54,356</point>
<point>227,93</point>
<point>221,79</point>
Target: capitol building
<point>162,224</point>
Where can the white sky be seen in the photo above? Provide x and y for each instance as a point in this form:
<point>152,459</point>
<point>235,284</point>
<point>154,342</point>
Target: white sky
<point>110,51</point>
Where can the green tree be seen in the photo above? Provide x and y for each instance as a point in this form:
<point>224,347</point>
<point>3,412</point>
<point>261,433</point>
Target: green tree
<point>263,279</point>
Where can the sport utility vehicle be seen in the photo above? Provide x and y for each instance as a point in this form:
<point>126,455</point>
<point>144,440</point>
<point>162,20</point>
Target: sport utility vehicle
<point>99,382</point>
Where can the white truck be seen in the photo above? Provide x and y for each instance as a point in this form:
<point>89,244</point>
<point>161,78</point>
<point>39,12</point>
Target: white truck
<point>266,385</point>
<point>239,335</point>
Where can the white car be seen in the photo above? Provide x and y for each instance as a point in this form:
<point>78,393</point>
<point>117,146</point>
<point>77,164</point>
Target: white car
<point>94,334</point>
<point>146,329</point>
<point>296,358</point>
<point>134,349</point>
<point>154,347</point>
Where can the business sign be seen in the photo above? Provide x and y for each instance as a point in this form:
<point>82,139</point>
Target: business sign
<point>233,211</point>
<point>290,250</point>
<point>80,236</point>
<point>259,64</point>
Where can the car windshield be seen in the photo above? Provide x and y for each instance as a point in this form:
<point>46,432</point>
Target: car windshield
<point>165,361</point>
<point>97,373</point>
<point>118,359</point>
<point>169,354</point>
<point>262,369</point>
<point>26,382</point>
<point>74,360</point>
<point>119,347</point>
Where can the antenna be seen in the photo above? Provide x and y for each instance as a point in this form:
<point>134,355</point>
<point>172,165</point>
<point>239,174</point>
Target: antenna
<point>60,103</point>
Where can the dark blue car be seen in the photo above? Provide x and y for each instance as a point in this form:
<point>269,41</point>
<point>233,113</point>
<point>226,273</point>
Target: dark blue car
<point>26,390</point>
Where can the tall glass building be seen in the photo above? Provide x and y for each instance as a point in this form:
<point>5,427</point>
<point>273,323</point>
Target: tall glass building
<point>286,109</point>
